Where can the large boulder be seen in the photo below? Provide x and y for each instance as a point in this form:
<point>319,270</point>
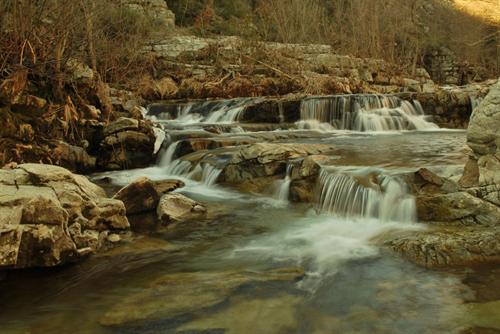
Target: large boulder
<point>139,196</point>
<point>175,208</point>
<point>49,216</point>
<point>483,137</point>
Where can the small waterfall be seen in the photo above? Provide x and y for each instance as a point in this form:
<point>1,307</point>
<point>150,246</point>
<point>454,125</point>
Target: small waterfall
<point>362,113</point>
<point>475,101</point>
<point>168,156</point>
<point>282,187</point>
<point>210,174</point>
<point>365,193</point>
<point>178,167</point>
<point>224,115</point>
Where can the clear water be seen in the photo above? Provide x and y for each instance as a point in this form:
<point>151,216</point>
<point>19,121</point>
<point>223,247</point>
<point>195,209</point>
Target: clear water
<point>256,265</point>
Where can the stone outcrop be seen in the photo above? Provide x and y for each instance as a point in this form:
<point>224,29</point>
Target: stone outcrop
<point>281,69</point>
<point>49,216</point>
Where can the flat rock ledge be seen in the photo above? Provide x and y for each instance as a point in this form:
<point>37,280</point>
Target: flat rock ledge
<point>50,216</point>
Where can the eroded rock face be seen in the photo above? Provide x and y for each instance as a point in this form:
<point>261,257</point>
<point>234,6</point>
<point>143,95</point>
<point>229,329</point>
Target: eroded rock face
<point>176,208</point>
<point>49,216</point>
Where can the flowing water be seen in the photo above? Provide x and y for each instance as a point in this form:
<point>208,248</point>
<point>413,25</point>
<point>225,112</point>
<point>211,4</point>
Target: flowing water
<point>255,265</point>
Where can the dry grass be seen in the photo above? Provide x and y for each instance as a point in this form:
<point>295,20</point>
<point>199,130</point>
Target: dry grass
<point>487,10</point>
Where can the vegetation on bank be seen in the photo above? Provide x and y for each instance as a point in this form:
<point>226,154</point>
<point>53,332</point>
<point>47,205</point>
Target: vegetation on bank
<point>394,30</point>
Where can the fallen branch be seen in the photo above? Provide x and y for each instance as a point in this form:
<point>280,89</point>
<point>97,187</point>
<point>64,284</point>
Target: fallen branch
<point>277,70</point>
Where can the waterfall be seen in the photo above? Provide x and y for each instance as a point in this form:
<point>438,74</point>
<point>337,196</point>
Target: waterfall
<point>168,156</point>
<point>282,187</point>
<point>210,174</point>
<point>475,101</point>
<point>362,113</point>
<point>178,167</point>
<point>210,111</point>
<point>365,192</point>
<point>224,115</point>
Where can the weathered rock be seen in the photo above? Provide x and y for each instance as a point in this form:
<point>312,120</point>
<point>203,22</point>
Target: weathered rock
<point>73,157</point>
<point>179,208</point>
<point>139,196</point>
<point>167,186</point>
<point>49,216</point>
<point>127,149</point>
<point>457,207</point>
<point>464,246</point>
<point>303,190</point>
<point>266,159</point>
<point>311,165</point>
<point>121,124</point>
<point>483,136</point>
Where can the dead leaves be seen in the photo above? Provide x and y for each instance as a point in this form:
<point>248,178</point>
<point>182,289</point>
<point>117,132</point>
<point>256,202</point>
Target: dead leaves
<point>13,87</point>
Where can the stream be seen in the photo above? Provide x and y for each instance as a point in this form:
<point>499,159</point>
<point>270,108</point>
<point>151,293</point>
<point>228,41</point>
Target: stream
<point>259,263</point>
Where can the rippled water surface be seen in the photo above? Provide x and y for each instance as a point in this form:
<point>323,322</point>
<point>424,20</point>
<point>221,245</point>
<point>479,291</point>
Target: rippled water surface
<point>256,265</point>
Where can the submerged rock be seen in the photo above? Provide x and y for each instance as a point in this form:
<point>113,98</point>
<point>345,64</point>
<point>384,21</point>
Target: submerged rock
<point>183,293</point>
<point>242,316</point>
<point>179,208</point>
<point>49,216</point>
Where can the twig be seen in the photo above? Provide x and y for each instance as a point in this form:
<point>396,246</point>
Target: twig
<point>277,70</point>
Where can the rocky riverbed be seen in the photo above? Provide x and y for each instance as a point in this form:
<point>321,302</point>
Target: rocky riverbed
<point>338,213</point>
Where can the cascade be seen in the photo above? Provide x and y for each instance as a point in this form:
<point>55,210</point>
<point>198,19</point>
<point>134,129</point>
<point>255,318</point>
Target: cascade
<point>282,187</point>
<point>362,113</point>
<point>210,174</point>
<point>365,192</point>
<point>167,157</point>
<point>475,101</point>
